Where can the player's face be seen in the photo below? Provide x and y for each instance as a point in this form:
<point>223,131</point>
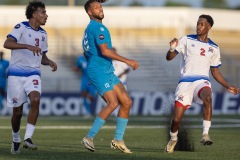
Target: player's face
<point>202,26</point>
<point>40,16</point>
<point>96,11</point>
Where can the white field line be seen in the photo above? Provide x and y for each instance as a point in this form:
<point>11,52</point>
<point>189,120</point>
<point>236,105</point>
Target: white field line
<point>235,123</point>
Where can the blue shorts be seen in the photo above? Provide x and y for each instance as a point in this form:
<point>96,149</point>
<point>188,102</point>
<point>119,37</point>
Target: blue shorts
<point>104,82</point>
<point>86,86</point>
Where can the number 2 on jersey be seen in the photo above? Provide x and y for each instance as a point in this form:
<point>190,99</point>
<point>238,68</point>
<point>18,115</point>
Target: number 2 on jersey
<point>202,53</point>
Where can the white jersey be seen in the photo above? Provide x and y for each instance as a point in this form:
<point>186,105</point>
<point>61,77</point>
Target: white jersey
<point>23,62</point>
<point>197,58</point>
<point>119,68</point>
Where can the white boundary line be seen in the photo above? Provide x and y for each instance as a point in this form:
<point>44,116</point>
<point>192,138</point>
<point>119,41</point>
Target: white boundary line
<point>235,123</point>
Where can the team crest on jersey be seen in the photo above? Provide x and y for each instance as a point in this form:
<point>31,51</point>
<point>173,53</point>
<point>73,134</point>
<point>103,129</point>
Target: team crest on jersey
<point>17,26</point>
<point>210,49</point>
<point>14,100</point>
<point>43,38</point>
<point>193,45</point>
<point>106,85</point>
<point>102,29</point>
<point>101,36</point>
<point>29,35</point>
<point>180,98</point>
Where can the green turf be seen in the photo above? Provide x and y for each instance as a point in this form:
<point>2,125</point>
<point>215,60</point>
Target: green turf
<point>146,144</point>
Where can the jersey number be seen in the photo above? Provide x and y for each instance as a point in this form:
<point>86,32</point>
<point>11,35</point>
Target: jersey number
<point>37,42</point>
<point>35,82</point>
<point>202,53</point>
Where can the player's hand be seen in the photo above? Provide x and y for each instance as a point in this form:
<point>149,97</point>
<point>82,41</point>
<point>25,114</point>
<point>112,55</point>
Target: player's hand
<point>233,90</point>
<point>53,65</point>
<point>173,44</point>
<point>35,50</point>
<point>134,64</point>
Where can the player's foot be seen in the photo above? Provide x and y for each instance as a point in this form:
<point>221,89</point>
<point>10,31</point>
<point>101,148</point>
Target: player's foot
<point>15,148</point>
<point>120,145</point>
<point>170,146</point>
<point>88,143</point>
<point>28,144</point>
<point>206,140</point>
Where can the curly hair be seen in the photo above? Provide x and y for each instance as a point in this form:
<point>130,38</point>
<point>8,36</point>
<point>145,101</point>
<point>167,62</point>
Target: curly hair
<point>32,7</point>
<point>208,18</point>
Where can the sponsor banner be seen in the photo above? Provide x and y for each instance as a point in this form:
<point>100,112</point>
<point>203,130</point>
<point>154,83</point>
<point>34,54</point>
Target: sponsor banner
<point>144,103</point>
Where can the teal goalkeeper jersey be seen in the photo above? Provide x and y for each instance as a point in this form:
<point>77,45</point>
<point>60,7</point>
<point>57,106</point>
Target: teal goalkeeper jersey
<point>96,34</point>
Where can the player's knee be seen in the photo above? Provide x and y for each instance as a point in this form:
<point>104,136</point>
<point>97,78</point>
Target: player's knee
<point>208,99</point>
<point>35,100</point>
<point>113,104</point>
<point>128,102</point>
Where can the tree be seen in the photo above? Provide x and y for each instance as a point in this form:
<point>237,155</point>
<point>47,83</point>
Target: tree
<point>136,3</point>
<point>170,3</point>
<point>215,4</point>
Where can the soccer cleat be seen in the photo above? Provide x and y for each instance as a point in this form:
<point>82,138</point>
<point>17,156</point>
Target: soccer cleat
<point>120,145</point>
<point>28,144</point>
<point>206,140</point>
<point>15,148</point>
<point>88,143</point>
<point>170,146</point>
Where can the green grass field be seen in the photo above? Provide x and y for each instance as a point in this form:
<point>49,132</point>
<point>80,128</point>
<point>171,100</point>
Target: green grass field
<point>60,138</point>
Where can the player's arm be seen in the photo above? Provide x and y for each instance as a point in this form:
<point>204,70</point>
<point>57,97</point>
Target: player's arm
<point>171,52</point>
<point>46,61</point>
<point>107,52</point>
<point>11,43</point>
<point>220,79</point>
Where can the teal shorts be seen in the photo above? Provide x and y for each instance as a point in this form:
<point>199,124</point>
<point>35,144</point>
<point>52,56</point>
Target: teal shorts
<point>104,82</point>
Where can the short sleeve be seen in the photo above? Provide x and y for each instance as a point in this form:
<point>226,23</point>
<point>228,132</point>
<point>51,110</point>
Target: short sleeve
<point>45,44</point>
<point>101,35</point>
<point>17,31</point>
<point>182,43</point>
<point>216,59</point>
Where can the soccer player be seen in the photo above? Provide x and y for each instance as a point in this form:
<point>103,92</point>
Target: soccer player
<point>199,54</point>
<point>28,44</point>
<point>87,90</point>
<point>3,77</point>
<point>121,70</point>
<point>99,54</point>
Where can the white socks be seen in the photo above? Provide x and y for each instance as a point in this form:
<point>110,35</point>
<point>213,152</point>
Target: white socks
<point>174,136</point>
<point>29,131</point>
<point>16,136</point>
<point>206,126</point>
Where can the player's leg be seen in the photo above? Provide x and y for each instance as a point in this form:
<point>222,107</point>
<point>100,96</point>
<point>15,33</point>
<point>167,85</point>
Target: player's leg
<point>1,96</point>
<point>122,119</point>
<point>16,97</point>
<point>205,94</point>
<point>111,100</point>
<point>84,94</point>
<point>16,121</point>
<point>179,110</point>
<point>33,89</point>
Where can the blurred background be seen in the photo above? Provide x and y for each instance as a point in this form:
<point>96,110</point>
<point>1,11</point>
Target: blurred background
<point>140,29</point>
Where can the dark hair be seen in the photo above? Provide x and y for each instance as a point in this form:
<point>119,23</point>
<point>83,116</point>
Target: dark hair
<point>88,3</point>
<point>208,18</point>
<point>32,7</point>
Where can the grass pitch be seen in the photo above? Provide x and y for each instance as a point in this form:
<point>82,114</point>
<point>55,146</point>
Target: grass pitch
<point>59,138</point>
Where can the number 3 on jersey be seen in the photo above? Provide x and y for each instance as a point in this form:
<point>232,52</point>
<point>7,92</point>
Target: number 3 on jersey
<point>85,43</point>
<point>37,42</point>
